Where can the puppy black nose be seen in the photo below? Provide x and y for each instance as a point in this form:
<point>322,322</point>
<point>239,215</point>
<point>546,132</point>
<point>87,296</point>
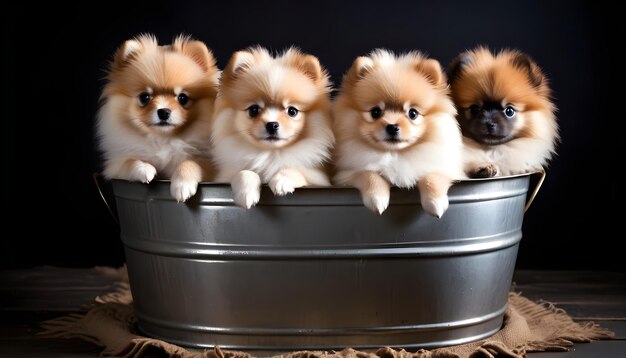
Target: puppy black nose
<point>272,127</point>
<point>393,130</point>
<point>491,127</point>
<point>164,113</point>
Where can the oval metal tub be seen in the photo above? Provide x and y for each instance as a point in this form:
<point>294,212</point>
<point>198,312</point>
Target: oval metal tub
<point>317,270</point>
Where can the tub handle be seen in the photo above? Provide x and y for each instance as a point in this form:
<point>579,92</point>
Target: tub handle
<point>542,177</point>
<point>96,180</point>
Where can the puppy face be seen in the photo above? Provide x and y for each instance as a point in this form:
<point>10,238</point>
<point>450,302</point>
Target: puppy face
<point>501,97</point>
<point>161,89</point>
<point>271,125</point>
<point>394,98</point>
<point>272,96</point>
<point>390,126</point>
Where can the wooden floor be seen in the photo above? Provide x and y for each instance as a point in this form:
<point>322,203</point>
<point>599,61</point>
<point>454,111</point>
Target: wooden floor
<point>29,296</point>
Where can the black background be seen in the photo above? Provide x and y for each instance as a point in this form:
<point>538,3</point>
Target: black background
<point>54,56</point>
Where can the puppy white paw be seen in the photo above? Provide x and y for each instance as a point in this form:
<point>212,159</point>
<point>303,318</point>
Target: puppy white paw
<point>182,190</point>
<point>488,170</point>
<point>142,171</point>
<point>435,206</point>
<point>246,186</point>
<point>247,198</point>
<point>281,185</point>
<point>377,202</point>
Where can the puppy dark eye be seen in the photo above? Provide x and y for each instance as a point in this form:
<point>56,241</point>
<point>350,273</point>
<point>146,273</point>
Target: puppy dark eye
<point>144,98</point>
<point>413,113</point>
<point>292,111</point>
<point>254,110</point>
<point>509,112</point>
<point>183,99</point>
<point>376,112</point>
<point>474,109</point>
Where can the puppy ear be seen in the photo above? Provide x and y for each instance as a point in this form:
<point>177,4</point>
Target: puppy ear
<point>432,69</point>
<point>458,64</point>
<point>128,51</point>
<point>310,65</point>
<point>196,50</point>
<point>525,63</point>
<point>240,62</point>
<point>133,48</point>
<point>362,66</point>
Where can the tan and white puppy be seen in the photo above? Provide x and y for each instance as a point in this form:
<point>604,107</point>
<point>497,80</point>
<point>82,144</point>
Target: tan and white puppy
<point>505,112</point>
<point>155,120</point>
<point>395,125</point>
<point>272,123</point>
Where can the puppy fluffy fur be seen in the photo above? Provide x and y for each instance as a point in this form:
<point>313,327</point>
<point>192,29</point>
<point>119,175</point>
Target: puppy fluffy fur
<point>156,113</point>
<point>505,112</point>
<point>272,123</point>
<point>395,125</point>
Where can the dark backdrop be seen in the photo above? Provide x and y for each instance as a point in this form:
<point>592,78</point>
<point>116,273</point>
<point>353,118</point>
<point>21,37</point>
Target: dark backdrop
<point>53,68</point>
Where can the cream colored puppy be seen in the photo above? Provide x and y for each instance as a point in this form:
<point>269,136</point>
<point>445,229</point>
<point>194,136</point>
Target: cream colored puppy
<point>155,120</point>
<point>395,125</point>
<point>272,123</point>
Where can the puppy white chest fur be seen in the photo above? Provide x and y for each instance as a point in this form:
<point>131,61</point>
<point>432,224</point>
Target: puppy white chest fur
<point>395,167</point>
<point>117,142</point>
<point>494,155</point>
<point>517,156</point>
<point>233,154</point>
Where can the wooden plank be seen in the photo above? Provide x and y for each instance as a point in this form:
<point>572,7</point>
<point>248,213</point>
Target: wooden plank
<point>49,348</point>
<point>54,288</point>
<point>598,349</point>
<point>618,327</point>
<point>584,295</point>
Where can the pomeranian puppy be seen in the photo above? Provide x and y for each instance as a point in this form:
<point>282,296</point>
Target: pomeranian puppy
<point>395,125</point>
<point>156,113</point>
<point>505,112</point>
<point>272,123</point>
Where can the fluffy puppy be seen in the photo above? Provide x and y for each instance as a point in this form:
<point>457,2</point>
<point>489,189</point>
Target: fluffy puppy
<point>272,123</point>
<point>395,125</point>
<point>156,113</point>
<point>505,112</point>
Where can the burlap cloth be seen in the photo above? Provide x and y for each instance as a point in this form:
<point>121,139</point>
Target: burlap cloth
<point>528,327</point>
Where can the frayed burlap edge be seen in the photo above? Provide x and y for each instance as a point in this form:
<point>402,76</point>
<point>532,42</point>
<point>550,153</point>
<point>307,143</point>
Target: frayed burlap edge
<point>565,331</point>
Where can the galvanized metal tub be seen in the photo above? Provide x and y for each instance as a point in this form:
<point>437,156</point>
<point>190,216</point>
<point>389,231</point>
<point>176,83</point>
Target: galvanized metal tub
<point>317,270</point>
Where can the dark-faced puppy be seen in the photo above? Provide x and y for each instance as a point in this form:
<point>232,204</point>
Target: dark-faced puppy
<point>505,112</point>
